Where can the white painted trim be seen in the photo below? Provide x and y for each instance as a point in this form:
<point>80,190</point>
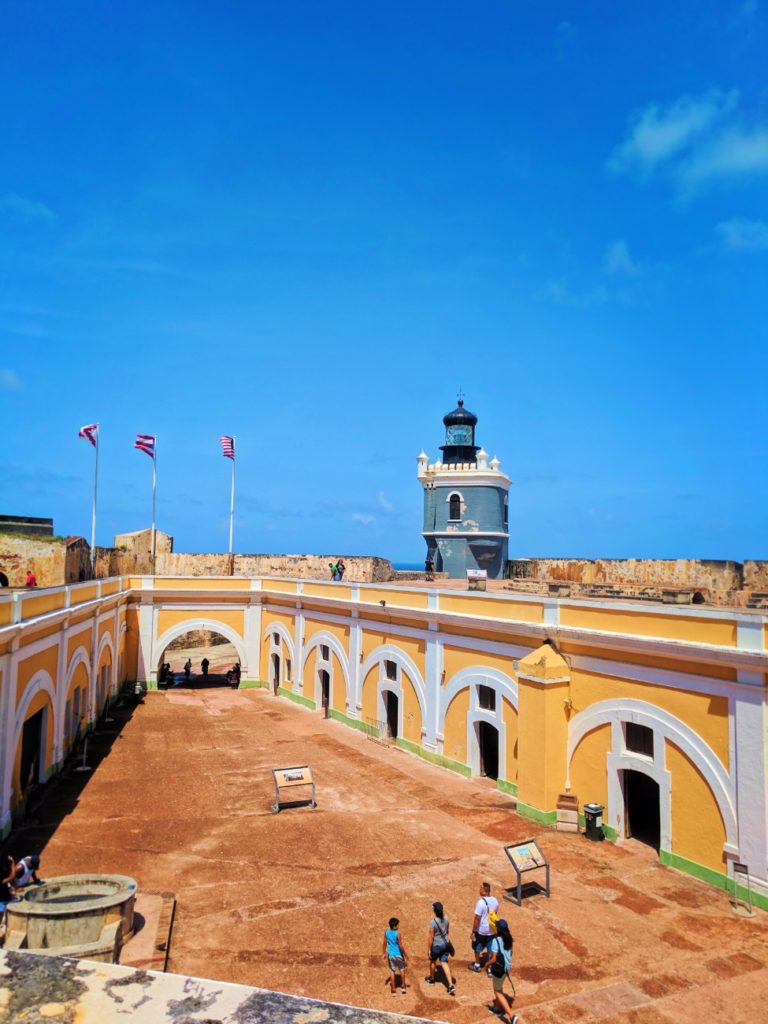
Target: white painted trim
<point>160,643</point>
<point>39,682</point>
<point>285,636</point>
<point>665,727</point>
<point>388,652</point>
<point>615,810</point>
<point>329,640</point>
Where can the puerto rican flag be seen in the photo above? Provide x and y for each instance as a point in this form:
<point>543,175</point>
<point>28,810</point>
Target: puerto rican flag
<point>227,446</point>
<point>90,432</point>
<point>146,443</point>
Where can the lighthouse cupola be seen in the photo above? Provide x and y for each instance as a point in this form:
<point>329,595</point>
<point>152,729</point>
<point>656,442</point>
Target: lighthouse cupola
<point>459,436</point>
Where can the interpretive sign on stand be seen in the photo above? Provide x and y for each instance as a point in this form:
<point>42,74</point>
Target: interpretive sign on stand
<point>287,783</point>
<point>525,857</point>
<point>477,579</point>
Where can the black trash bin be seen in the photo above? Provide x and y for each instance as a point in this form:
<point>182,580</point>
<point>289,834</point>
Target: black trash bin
<point>593,814</point>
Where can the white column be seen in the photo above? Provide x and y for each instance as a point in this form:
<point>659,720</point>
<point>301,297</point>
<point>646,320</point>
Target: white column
<point>750,723</point>
<point>8,663</point>
<point>253,628</point>
<point>94,667</point>
<point>61,695</point>
<point>298,652</point>
<point>146,670</point>
<point>354,697</point>
<point>433,679</point>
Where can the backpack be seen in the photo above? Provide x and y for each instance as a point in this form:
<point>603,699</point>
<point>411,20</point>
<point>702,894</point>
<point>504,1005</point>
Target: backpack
<point>493,917</point>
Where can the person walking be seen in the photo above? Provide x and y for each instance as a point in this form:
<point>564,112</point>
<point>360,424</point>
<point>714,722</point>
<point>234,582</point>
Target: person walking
<point>340,569</point>
<point>395,955</point>
<point>187,668</point>
<point>440,948</point>
<point>482,930</point>
<point>204,666</point>
<point>500,964</point>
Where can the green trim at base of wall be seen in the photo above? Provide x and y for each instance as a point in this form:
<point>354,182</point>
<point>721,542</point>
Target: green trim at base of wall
<point>507,787</point>
<point>438,759</point>
<point>253,684</point>
<point>354,723</point>
<point>540,817</point>
<point>297,698</point>
<point>610,833</point>
<point>712,877</point>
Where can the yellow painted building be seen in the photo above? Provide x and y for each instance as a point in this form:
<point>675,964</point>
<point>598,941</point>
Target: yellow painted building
<point>657,713</point>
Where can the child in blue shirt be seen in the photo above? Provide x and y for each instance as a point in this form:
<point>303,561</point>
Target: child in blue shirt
<point>395,955</point>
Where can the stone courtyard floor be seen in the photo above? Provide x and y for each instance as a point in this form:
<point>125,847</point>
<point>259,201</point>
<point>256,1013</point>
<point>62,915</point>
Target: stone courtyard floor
<point>298,901</point>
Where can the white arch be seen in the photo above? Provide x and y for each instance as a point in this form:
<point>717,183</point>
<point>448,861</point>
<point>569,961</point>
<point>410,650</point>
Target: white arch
<point>388,652</point>
<point>504,687</point>
<point>40,682</point>
<point>279,627</point>
<point>476,674</point>
<point>667,727</point>
<point>160,644</point>
<point>322,637</point>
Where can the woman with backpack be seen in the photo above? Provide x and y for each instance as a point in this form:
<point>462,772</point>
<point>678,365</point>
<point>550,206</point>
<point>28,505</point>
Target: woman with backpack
<point>440,948</point>
<point>499,966</point>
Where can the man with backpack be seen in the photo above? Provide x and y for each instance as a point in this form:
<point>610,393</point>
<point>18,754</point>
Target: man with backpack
<point>483,926</point>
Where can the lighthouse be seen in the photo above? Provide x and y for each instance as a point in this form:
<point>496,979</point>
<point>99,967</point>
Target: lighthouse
<point>465,502</point>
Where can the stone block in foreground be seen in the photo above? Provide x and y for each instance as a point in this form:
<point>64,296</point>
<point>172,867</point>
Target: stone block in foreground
<point>60,988</point>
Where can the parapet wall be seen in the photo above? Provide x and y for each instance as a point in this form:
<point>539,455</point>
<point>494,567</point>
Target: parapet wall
<point>360,568</point>
<point>54,561</point>
<point>681,580</point>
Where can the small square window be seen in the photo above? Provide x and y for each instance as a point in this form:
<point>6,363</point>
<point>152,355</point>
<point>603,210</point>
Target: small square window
<point>486,698</point>
<point>638,739</point>
<point>390,670</point>
<point>324,652</point>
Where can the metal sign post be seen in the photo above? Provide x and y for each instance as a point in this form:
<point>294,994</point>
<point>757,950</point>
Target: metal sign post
<point>289,778</point>
<point>740,906</point>
<point>524,857</point>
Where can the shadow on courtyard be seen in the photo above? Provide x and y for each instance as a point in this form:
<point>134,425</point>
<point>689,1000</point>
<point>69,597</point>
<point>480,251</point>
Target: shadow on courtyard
<point>50,803</point>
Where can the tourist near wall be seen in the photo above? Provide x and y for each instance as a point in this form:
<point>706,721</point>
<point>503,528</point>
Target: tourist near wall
<point>54,561</point>
<point>545,695</point>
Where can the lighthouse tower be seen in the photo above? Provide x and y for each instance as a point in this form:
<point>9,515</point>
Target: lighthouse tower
<point>465,502</point>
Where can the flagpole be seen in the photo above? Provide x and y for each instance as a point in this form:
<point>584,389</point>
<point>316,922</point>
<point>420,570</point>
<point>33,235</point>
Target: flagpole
<point>154,503</point>
<point>95,492</point>
<point>232,498</point>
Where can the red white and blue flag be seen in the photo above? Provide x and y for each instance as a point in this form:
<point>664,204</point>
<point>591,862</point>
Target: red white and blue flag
<point>227,446</point>
<point>146,443</point>
<point>89,432</point>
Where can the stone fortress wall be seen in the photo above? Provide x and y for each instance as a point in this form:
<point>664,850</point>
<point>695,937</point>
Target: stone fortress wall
<point>57,561</point>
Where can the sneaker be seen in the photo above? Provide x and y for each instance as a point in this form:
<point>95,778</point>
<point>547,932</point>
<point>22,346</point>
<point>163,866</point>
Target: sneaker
<point>474,967</point>
<point>495,1011</point>
<point>429,981</point>
<point>514,1019</point>
<point>451,990</point>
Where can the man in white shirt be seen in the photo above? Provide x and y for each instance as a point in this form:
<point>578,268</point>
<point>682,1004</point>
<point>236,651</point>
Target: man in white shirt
<point>482,933</point>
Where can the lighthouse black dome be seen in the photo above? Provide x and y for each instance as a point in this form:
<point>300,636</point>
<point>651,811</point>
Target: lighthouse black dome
<point>460,415</point>
<point>460,444</point>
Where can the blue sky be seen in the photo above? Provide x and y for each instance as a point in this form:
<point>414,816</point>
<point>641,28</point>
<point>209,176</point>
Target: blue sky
<point>309,225</point>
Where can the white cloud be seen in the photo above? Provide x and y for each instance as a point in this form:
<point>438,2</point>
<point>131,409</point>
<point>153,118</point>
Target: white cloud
<point>10,380</point>
<point>740,235</point>
<point>618,259</point>
<point>364,518</point>
<point>385,503</point>
<point>660,132</point>
<point>735,153</point>
<point>25,211</point>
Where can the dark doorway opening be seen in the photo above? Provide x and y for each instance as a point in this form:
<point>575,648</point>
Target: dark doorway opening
<point>325,691</point>
<point>392,708</point>
<point>641,796</point>
<point>488,742</point>
<point>275,672</point>
<point>31,751</point>
<point>198,659</point>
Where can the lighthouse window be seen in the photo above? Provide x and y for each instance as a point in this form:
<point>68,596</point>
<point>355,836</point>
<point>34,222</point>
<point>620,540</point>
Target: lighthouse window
<point>454,507</point>
<point>506,511</point>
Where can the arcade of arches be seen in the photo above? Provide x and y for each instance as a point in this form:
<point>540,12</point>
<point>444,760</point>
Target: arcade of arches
<point>655,712</point>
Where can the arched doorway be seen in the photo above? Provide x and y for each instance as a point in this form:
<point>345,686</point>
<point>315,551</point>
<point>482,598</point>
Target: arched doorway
<point>275,659</point>
<point>199,658</point>
<point>392,710</point>
<point>488,745</point>
<point>325,690</point>
<point>642,814</point>
<point>32,751</point>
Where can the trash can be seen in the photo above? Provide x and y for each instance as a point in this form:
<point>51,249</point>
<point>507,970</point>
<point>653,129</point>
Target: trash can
<point>593,814</point>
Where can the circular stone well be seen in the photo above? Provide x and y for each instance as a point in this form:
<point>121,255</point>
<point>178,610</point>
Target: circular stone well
<point>72,911</point>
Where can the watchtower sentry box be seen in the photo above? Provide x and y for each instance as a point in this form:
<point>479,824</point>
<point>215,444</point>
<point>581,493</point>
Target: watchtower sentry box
<point>465,502</point>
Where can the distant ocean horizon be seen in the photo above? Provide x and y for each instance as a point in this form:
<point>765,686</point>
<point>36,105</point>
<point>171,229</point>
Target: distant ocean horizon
<point>409,566</point>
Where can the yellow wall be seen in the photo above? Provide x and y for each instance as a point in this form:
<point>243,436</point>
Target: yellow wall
<point>46,660</point>
<point>510,717</point>
<point>491,608</point>
<point>394,597</point>
<point>233,618</point>
<point>698,832</point>
<point>589,778</point>
<point>455,730</point>
<point>455,660</point>
<point>695,629</point>
<point>706,715</point>
<point>39,701</point>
